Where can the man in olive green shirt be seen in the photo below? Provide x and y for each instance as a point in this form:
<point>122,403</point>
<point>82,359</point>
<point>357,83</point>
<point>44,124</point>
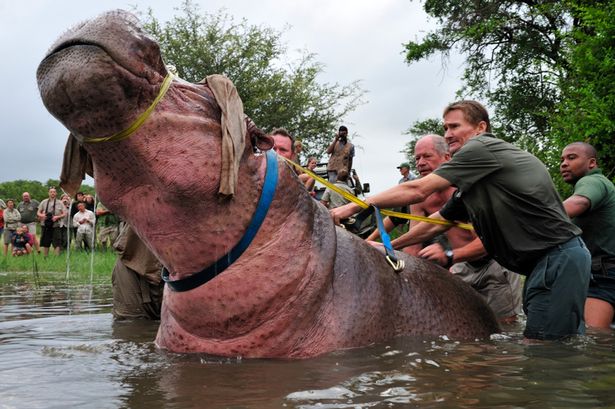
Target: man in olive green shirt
<point>592,208</point>
<point>28,208</point>
<point>510,198</point>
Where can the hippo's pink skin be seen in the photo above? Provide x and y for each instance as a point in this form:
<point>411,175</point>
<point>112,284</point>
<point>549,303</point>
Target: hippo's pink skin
<point>302,288</point>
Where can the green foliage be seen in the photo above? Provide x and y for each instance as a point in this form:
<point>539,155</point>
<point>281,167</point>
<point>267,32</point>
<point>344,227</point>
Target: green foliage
<point>276,89</point>
<point>545,69</point>
<point>38,191</point>
<point>514,59</point>
<point>14,189</point>
<point>587,109</point>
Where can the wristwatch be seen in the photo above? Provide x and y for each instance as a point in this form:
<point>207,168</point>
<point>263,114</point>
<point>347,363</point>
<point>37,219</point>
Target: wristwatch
<point>449,257</point>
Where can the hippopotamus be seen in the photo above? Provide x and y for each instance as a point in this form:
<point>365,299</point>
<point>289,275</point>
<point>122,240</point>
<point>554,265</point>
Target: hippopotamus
<point>302,286</point>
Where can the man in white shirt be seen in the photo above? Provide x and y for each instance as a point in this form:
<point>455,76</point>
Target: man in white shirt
<point>84,221</point>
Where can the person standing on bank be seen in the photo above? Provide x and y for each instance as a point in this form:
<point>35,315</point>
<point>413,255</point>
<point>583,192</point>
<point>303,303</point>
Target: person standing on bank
<point>509,197</point>
<point>85,221</point>
<point>12,219</point>
<point>592,208</point>
<point>51,211</point>
<point>28,209</point>
<point>341,152</point>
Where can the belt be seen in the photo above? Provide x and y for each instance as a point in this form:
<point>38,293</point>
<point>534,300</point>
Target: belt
<point>576,241</point>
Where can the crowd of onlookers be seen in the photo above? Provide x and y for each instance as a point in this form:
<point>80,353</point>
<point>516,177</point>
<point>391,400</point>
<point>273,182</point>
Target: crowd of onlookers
<point>62,223</point>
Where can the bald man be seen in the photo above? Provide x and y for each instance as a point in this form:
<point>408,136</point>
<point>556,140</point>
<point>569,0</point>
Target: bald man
<point>592,208</point>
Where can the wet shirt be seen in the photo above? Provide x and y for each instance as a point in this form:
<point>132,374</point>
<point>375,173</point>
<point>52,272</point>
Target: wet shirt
<point>510,199</point>
<point>598,222</point>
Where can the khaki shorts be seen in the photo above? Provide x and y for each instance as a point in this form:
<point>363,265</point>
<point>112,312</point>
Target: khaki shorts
<point>8,236</point>
<point>32,228</point>
<point>501,288</point>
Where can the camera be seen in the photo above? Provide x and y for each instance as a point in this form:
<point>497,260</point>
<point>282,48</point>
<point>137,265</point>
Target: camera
<point>49,219</point>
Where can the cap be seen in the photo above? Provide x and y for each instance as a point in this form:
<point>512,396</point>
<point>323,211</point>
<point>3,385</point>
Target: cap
<point>404,165</point>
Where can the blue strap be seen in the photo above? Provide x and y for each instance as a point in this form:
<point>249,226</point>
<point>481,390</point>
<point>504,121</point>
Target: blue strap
<point>203,276</point>
<point>397,265</point>
<point>386,240</point>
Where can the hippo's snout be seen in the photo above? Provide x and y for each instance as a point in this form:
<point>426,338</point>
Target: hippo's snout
<point>96,74</point>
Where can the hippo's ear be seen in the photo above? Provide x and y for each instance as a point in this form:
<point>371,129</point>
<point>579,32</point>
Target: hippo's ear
<point>258,138</point>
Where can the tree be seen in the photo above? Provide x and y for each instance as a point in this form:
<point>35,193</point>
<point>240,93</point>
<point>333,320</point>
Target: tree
<point>514,52</point>
<point>38,191</point>
<point>543,67</point>
<point>14,189</point>
<point>587,109</point>
<point>276,90</point>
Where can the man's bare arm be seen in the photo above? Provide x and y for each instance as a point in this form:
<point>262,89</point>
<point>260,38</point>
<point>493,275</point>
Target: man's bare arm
<point>576,205</point>
<point>420,232</point>
<point>403,194</point>
<point>474,250</point>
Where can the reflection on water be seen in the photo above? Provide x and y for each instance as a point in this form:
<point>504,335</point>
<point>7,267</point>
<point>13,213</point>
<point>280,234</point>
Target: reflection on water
<point>25,301</point>
<point>60,348</point>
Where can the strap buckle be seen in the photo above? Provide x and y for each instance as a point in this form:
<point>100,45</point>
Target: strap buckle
<point>398,265</point>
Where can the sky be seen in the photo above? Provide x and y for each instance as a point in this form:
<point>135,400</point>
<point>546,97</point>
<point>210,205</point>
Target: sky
<point>354,40</point>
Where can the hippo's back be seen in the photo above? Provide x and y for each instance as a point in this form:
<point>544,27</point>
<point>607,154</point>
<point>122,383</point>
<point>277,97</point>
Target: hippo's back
<point>423,299</point>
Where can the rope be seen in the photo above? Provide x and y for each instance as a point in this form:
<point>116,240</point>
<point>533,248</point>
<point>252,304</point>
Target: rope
<point>166,83</point>
<point>364,205</point>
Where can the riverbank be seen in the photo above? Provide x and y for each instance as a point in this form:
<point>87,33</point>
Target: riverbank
<point>79,268</point>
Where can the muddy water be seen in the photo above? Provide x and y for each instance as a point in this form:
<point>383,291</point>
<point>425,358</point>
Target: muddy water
<point>59,348</point>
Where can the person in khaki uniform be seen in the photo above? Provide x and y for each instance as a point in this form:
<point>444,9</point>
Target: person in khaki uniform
<point>51,212</point>
<point>137,286</point>
<point>342,152</point>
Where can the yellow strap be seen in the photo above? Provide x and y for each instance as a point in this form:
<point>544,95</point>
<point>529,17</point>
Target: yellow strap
<point>364,205</point>
<point>140,120</point>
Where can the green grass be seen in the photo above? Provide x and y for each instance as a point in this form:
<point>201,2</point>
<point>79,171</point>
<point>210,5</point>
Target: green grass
<point>52,269</point>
